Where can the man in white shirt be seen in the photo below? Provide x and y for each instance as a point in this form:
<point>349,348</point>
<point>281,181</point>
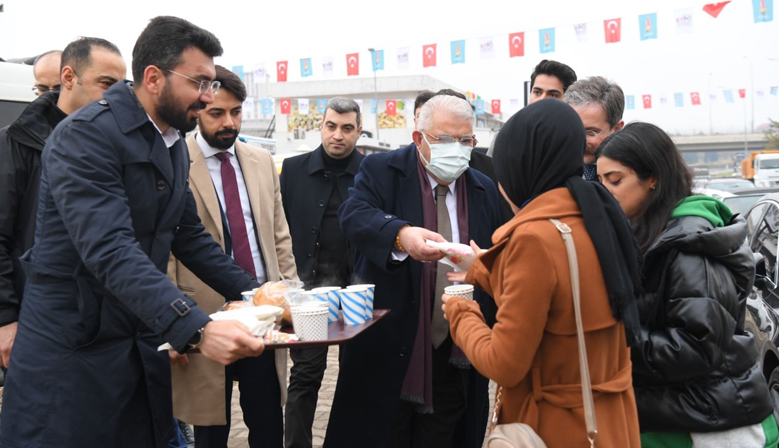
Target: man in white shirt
<point>236,188</point>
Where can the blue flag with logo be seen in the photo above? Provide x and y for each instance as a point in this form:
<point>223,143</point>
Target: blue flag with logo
<point>321,105</point>
<point>728,95</point>
<point>546,40</point>
<point>377,60</point>
<point>267,106</point>
<point>630,102</point>
<point>764,10</point>
<point>773,90</point>
<point>458,52</point>
<point>374,105</point>
<point>647,26</point>
<point>479,107</point>
<point>238,70</point>
<point>678,100</point>
<point>305,68</point>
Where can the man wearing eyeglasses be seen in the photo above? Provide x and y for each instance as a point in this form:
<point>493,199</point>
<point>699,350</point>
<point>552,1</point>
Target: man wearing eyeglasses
<point>114,204</point>
<point>401,199</point>
<point>46,70</point>
<point>599,103</point>
<point>90,66</point>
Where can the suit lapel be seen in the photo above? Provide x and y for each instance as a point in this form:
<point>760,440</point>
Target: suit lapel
<point>201,184</point>
<point>476,202</point>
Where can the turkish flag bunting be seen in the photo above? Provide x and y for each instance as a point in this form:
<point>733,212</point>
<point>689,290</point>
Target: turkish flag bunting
<point>715,8</point>
<point>742,93</point>
<point>391,107</point>
<point>353,64</point>
<point>647,101</point>
<point>428,55</point>
<point>612,29</point>
<point>495,107</point>
<point>695,98</point>
<point>517,44</point>
<point>281,71</point>
<point>286,106</point>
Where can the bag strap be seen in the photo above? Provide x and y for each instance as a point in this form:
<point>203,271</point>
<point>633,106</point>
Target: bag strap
<point>573,265</point>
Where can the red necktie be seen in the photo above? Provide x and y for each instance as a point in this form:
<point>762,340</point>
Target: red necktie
<point>242,251</point>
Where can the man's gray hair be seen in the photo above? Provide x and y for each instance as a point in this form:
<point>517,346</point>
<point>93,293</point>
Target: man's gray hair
<point>597,89</point>
<point>451,104</point>
<point>343,105</point>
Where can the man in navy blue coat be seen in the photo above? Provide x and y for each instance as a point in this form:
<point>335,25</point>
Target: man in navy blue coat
<point>113,204</point>
<point>397,386</point>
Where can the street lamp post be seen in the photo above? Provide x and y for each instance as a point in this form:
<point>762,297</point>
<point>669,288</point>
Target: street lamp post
<point>375,93</point>
<point>751,91</point>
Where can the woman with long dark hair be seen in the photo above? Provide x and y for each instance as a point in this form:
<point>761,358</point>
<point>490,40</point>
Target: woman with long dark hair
<point>696,373</point>
<point>532,349</point>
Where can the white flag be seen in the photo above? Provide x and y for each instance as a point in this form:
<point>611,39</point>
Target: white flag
<point>664,102</point>
<point>403,58</point>
<point>247,109</point>
<point>759,93</point>
<point>303,106</point>
<point>712,96</point>
<point>259,73</point>
<point>581,32</point>
<point>327,66</point>
<point>514,103</point>
<point>359,103</point>
<point>683,21</point>
<point>487,48</point>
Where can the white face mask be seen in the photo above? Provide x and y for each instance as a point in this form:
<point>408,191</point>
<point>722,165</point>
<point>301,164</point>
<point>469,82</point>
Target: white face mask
<point>447,160</point>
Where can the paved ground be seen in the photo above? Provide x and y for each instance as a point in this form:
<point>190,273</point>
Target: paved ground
<point>239,434</point>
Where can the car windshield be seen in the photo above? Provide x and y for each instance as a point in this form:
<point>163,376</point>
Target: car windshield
<point>740,204</point>
<point>730,184</point>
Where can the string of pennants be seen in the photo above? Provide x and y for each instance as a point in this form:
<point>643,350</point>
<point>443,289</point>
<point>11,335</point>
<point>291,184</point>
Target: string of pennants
<point>647,101</point>
<point>390,106</point>
<point>763,11</point>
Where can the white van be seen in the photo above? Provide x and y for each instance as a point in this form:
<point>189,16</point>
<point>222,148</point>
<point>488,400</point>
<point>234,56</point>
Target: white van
<point>16,83</point>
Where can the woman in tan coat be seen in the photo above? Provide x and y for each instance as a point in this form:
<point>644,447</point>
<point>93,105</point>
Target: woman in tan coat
<point>532,349</point>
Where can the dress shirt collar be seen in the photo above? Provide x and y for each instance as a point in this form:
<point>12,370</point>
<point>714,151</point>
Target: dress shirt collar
<point>170,137</point>
<point>210,151</point>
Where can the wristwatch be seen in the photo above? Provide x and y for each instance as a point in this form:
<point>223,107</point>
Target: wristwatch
<point>196,339</point>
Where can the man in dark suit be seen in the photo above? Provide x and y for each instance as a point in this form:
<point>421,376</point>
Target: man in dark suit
<point>313,186</point>
<point>113,205</point>
<point>403,383</point>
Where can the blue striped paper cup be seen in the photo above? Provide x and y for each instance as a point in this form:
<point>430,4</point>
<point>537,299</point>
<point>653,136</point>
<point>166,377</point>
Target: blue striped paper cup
<point>353,305</point>
<point>371,289</point>
<point>329,294</point>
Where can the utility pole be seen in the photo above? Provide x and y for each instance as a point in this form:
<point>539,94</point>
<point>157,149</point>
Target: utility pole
<point>375,92</point>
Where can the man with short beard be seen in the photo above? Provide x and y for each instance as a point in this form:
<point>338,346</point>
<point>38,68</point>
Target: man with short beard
<point>113,205</point>
<point>236,188</point>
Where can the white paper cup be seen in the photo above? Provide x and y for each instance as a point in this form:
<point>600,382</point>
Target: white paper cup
<point>248,295</point>
<point>353,304</point>
<point>329,295</point>
<point>371,290</point>
<point>465,291</point>
<point>310,322</point>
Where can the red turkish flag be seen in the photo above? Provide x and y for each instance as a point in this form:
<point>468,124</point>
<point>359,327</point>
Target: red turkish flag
<point>713,9</point>
<point>286,106</point>
<point>428,55</point>
<point>742,93</point>
<point>695,98</point>
<point>353,64</point>
<point>647,101</point>
<point>281,71</point>
<point>517,44</point>
<point>612,29</point>
<point>495,107</point>
<point>391,107</point>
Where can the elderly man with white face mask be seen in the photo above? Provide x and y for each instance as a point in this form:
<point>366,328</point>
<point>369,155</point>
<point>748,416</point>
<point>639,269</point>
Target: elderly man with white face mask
<point>400,199</point>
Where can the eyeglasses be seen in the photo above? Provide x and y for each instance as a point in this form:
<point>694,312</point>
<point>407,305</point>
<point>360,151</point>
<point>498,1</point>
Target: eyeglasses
<point>593,134</point>
<point>468,140</point>
<point>40,89</point>
<point>203,86</point>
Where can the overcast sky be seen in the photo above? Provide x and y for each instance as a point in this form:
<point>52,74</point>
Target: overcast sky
<point>714,57</point>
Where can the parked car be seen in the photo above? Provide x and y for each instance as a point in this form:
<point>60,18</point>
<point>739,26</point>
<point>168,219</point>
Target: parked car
<point>728,184</point>
<point>762,320</point>
<point>739,201</point>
